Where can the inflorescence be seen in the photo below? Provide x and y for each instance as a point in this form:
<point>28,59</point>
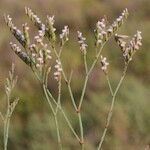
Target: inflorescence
<point>38,54</point>
<point>103,32</point>
<point>129,48</point>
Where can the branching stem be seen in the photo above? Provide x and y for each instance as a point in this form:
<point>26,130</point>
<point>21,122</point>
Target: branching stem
<point>111,108</point>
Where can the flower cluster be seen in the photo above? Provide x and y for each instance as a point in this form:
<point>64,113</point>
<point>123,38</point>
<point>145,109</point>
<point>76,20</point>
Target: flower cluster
<point>104,32</point>
<point>34,18</point>
<point>57,73</point>
<point>39,37</point>
<point>35,55</point>
<point>129,48</point>
<point>26,34</point>
<point>64,35</point>
<point>81,41</point>
<point>22,55</point>
<point>104,64</point>
<point>16,32</point>
<point>50,29</point>
<point>39,52</point>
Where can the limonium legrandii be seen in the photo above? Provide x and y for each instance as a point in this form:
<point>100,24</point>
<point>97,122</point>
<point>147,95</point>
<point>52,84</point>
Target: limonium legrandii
<point>38,56</point>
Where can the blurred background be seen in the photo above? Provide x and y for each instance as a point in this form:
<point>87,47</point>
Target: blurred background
<point>32,125</point>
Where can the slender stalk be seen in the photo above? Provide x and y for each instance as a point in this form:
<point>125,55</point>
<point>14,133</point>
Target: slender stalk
<point>2,117</point>
<point>85,63</point>
<point>72,97</point>
<point>66,80</point>
<point>81,131</point>
<point>83,91</point>
<point>48,100</point>
<point>6,131</point>
<point>55,117</point>
<point>111,108</point>
<point>109,84</point>
<point>64,114</point>
<point>87,76</point>
<point>58,132</point>
<point>69,124</point>
<point>59,95</point>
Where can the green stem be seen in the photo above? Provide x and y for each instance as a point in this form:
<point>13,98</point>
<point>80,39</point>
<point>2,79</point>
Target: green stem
<point>58,132</point>
<point>48,100</point>
<point>69,124</point>
<point>59,95</point>
<point>6,131</point>
<point>81,131</point>
<point>72,97</point>
<point>2,117</point>
<point>109,84</point>
<point>83,92</point>
<point>55,117</point>
<point>111,108</point>
<point>66,80</point>
<point>85,63</point>
<point>64,114</point>
<point>87,76</point>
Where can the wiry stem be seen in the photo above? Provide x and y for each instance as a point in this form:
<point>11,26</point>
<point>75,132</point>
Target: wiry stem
<point>81,131</point>
<point>87,76</point>
<point>59,95</point>
<point>58,132</point>
<point>2,117</point>
<point>55,117</point>
<point>64,114</point>
<point>6,131</point>
<point>109,84</point>
<point>72,98</point>
<point>111,108</point>
<point>83,92</point>
<point>85,63</point>
<point>66,80</point>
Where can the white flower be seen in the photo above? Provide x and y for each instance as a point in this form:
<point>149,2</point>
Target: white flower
<point>81,41</point>
<point>51,20</point>
<point>57,73</point>
<point>101,24</point>
<point>104,63</point>
<point>65,33</point>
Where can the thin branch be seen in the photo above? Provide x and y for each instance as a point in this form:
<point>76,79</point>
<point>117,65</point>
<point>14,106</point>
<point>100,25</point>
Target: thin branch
<point>59,95</point>
<point>64,114</point>
<point>85,63</point>
<point>2,117</point>
<point>87,76</point>
<point>111,108</point>
<point>109,84</point>
<point>58,132</point>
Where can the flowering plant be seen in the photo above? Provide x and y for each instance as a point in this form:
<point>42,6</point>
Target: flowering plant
<point>38,56</point>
